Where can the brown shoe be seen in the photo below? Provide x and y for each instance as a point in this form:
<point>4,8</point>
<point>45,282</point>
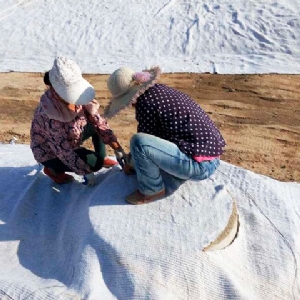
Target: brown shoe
<point>138,198</point>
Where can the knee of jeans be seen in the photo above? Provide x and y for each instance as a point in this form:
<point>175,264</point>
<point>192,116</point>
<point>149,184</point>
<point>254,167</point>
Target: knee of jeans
<point>136,141</point>
<point>215,165</point>
<point>216,162</point>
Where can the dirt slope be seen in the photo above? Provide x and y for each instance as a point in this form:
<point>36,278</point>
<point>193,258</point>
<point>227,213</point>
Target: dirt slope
<point>258,115</point>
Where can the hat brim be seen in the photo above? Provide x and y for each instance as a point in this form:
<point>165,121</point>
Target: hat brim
<point>79,93</point>
<point>130,97</point>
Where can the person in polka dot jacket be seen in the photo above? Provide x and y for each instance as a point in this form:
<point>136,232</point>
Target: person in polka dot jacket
<point>174,133</point>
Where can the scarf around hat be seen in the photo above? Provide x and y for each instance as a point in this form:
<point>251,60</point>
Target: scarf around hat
<point>56,109</point>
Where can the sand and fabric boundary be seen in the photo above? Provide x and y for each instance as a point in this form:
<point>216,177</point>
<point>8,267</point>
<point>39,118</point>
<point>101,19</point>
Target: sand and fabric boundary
<point>258,115</point>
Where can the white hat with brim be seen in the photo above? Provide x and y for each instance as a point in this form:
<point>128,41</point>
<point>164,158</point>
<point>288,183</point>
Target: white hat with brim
<point>126,90</point>
<point>66,79</point>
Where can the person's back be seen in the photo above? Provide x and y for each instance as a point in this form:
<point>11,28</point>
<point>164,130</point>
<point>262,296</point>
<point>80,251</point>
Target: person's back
<point>172,115</point>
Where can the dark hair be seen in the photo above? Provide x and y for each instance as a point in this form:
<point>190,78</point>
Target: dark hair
<point>46,79</point>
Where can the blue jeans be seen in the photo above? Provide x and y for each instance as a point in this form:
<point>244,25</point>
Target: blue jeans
<point>152,154</point>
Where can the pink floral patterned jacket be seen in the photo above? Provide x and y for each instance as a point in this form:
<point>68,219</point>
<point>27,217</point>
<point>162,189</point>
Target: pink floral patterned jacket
<point>56,131</point>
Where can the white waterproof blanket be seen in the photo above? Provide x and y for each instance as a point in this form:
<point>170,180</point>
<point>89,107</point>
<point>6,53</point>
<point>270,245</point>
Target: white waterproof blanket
<point>74,242</point>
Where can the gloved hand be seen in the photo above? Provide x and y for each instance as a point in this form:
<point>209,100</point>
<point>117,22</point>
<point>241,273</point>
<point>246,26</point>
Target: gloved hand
<point>125,161</point>
<point>129,161</point>
<point>128,170</point>
<point>89,179</point>
<point>121,156</point>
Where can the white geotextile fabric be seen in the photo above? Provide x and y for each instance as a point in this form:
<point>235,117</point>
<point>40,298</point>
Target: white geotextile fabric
<point>74,242</point>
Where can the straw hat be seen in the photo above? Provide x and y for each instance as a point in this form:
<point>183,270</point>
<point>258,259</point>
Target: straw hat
<point>66,79</point>
<point>126,86</point>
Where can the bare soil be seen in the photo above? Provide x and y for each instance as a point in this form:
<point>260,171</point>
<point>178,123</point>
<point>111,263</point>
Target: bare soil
<point>258,115</point>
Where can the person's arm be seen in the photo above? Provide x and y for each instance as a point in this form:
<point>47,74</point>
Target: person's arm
<point>104,131</point>
<point>102,128</point>
<point>115,145</point>
<point>108,137</point>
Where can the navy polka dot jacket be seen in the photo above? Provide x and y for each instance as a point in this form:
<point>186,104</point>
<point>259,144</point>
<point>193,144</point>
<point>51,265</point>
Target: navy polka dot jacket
<point>172,115</point>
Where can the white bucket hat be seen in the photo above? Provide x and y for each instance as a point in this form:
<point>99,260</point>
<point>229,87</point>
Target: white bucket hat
<point>126,86</point>
<point>66,79</point>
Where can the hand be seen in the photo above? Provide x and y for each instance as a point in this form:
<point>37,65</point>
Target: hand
<point>89,179</point>
<point>125,161</point>
<point>129,165</point>
<point>129,160</point>
<point>121,156</point>
<point>129,170</point>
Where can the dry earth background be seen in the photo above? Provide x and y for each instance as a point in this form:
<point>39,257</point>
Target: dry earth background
<point>258,115</point>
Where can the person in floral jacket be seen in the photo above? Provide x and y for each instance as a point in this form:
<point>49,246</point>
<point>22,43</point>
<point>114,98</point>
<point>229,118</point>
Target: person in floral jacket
<point>66,116</point>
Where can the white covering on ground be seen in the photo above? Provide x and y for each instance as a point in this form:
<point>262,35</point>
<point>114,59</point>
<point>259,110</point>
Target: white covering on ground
<point>74,242</point>
<point>228,36</point>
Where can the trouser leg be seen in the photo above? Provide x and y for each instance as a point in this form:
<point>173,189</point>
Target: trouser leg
<point>152,154</point>
<point>92,158</point>
<point>99,146</point>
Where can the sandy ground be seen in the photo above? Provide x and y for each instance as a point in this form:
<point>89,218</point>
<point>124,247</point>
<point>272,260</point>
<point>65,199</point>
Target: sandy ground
<point>258,115</point>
